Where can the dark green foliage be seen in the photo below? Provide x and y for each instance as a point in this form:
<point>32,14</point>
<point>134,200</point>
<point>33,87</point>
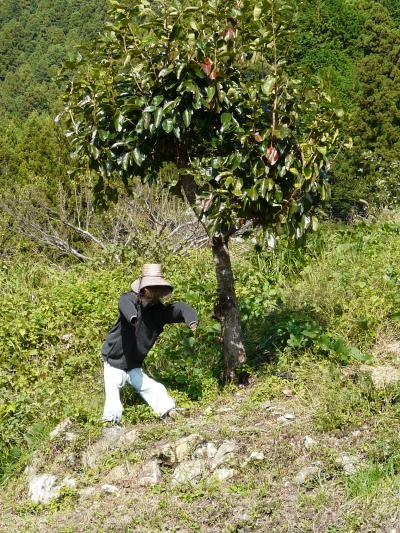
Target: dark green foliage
<point>325,42</point>
<point>34,40</point>
<point>371,172</point>
<point>204,87</point>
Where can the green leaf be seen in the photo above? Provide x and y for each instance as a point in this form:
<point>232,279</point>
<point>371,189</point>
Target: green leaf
<point>253,194</point>
<point>226,118</point>
<point>168,125</point>
<point>210,93</point>
<point>187,117</point>
<point>257,12</point>
<point>118,121</point>
<point>268,85</point>
<point>158,113</point>
<point>138,156</point>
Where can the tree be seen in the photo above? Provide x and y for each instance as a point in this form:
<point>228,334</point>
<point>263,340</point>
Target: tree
<point>371,173</point>
<point>203,86</point>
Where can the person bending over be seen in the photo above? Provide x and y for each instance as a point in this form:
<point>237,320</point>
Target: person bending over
<point>142,317</point>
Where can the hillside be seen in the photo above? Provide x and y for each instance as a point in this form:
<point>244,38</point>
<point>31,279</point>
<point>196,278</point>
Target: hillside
<point>310,444</point>
<point>35,38</point>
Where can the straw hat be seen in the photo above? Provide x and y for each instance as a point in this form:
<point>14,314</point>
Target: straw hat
<point>152,276</point>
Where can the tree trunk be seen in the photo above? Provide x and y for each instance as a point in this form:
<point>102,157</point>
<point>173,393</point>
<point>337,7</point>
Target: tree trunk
<point>226,309</point>
<point>227,312</point>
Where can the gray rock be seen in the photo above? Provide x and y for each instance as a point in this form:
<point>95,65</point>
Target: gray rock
<point>187,472</point>
<point>207,451</point>
<point>289,416</point>
<point>44,488</point>
<point>222,474</point>
<point>254,457</point>
<point>224,453</point>
<point>309,442</point>
<point>305,474</point>
<point>87,492</point>
<point>382,375</point>
<point>109,489</point>
<point>119,473</point>
<point>173,453</point>
<point>60,429</point>
<point>113,438</point>
<point>348,463</point>
<point>150,474</point>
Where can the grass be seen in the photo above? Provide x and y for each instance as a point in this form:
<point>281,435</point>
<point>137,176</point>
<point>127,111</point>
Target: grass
<point>312,321</point>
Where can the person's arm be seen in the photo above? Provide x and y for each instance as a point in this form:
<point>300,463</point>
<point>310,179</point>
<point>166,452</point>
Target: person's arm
<point>180,312</point>
<point>128,308</point>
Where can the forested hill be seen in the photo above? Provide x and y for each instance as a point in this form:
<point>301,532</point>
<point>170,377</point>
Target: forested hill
<point>351,44</point>
<point>35,36</point>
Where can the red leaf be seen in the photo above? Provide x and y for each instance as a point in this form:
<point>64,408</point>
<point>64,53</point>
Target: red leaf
<point>229,34</point>
<point>272,155</point>
<point>206,66</point>
<point>214,74</point>
<point>258,137</point>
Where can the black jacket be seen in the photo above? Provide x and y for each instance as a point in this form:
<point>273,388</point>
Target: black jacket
<point>138,328</point>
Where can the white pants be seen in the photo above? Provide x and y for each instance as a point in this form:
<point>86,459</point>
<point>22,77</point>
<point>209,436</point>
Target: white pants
<point>153,393</point>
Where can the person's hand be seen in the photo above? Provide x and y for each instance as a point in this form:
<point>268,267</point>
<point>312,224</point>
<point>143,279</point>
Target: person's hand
<point>193,326</point>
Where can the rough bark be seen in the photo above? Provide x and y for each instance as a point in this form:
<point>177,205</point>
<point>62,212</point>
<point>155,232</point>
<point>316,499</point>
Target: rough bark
<point>227,312</point>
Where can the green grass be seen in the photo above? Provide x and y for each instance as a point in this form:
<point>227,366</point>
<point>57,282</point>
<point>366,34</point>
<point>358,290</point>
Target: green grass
<point>311,319</point>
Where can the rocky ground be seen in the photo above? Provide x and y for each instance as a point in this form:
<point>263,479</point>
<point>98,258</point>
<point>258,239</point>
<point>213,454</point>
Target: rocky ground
<point>243,463</point>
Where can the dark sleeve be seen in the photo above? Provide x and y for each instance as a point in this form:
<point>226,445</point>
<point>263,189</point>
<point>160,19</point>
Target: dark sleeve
<point>179,312</point>
<point>127,307</point>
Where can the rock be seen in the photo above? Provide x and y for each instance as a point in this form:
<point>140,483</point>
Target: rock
<point>60,429</point>
<point>68,482</point>
<point>288,393</point>
<point>87,492</point>
<point>224,453</point>
<point>128,438</point>
<point>382,375</point>
<point>119,473</point>
<point>109,489</point>
<point>306,473</point>
<point>254,457</point>
<point>113,438</point>
<point>348,463</point>
<point>67,337</point>
<point>179,451</point>
<point>207,451</point>
<point>266,405</point>
<point>222,474</point>
<point>187,472</point>
<point>309,442</point>
<point>184,447</point>
<point>150,474</point>
<point>287,417</point>
<point>224,410</point>
<point>44,488</point>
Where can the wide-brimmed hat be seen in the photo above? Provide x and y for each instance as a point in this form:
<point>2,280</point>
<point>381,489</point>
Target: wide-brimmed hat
<point>152,276</point>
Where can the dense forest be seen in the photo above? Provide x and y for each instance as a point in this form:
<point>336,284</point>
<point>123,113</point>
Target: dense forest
<point>352,46</point>
<point>306,312</point>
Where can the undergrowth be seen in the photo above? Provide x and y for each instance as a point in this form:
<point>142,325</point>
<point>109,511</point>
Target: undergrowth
<point>328,302</point>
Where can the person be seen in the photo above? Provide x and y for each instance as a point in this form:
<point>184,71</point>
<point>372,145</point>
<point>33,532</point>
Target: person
<point>142,317</point>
